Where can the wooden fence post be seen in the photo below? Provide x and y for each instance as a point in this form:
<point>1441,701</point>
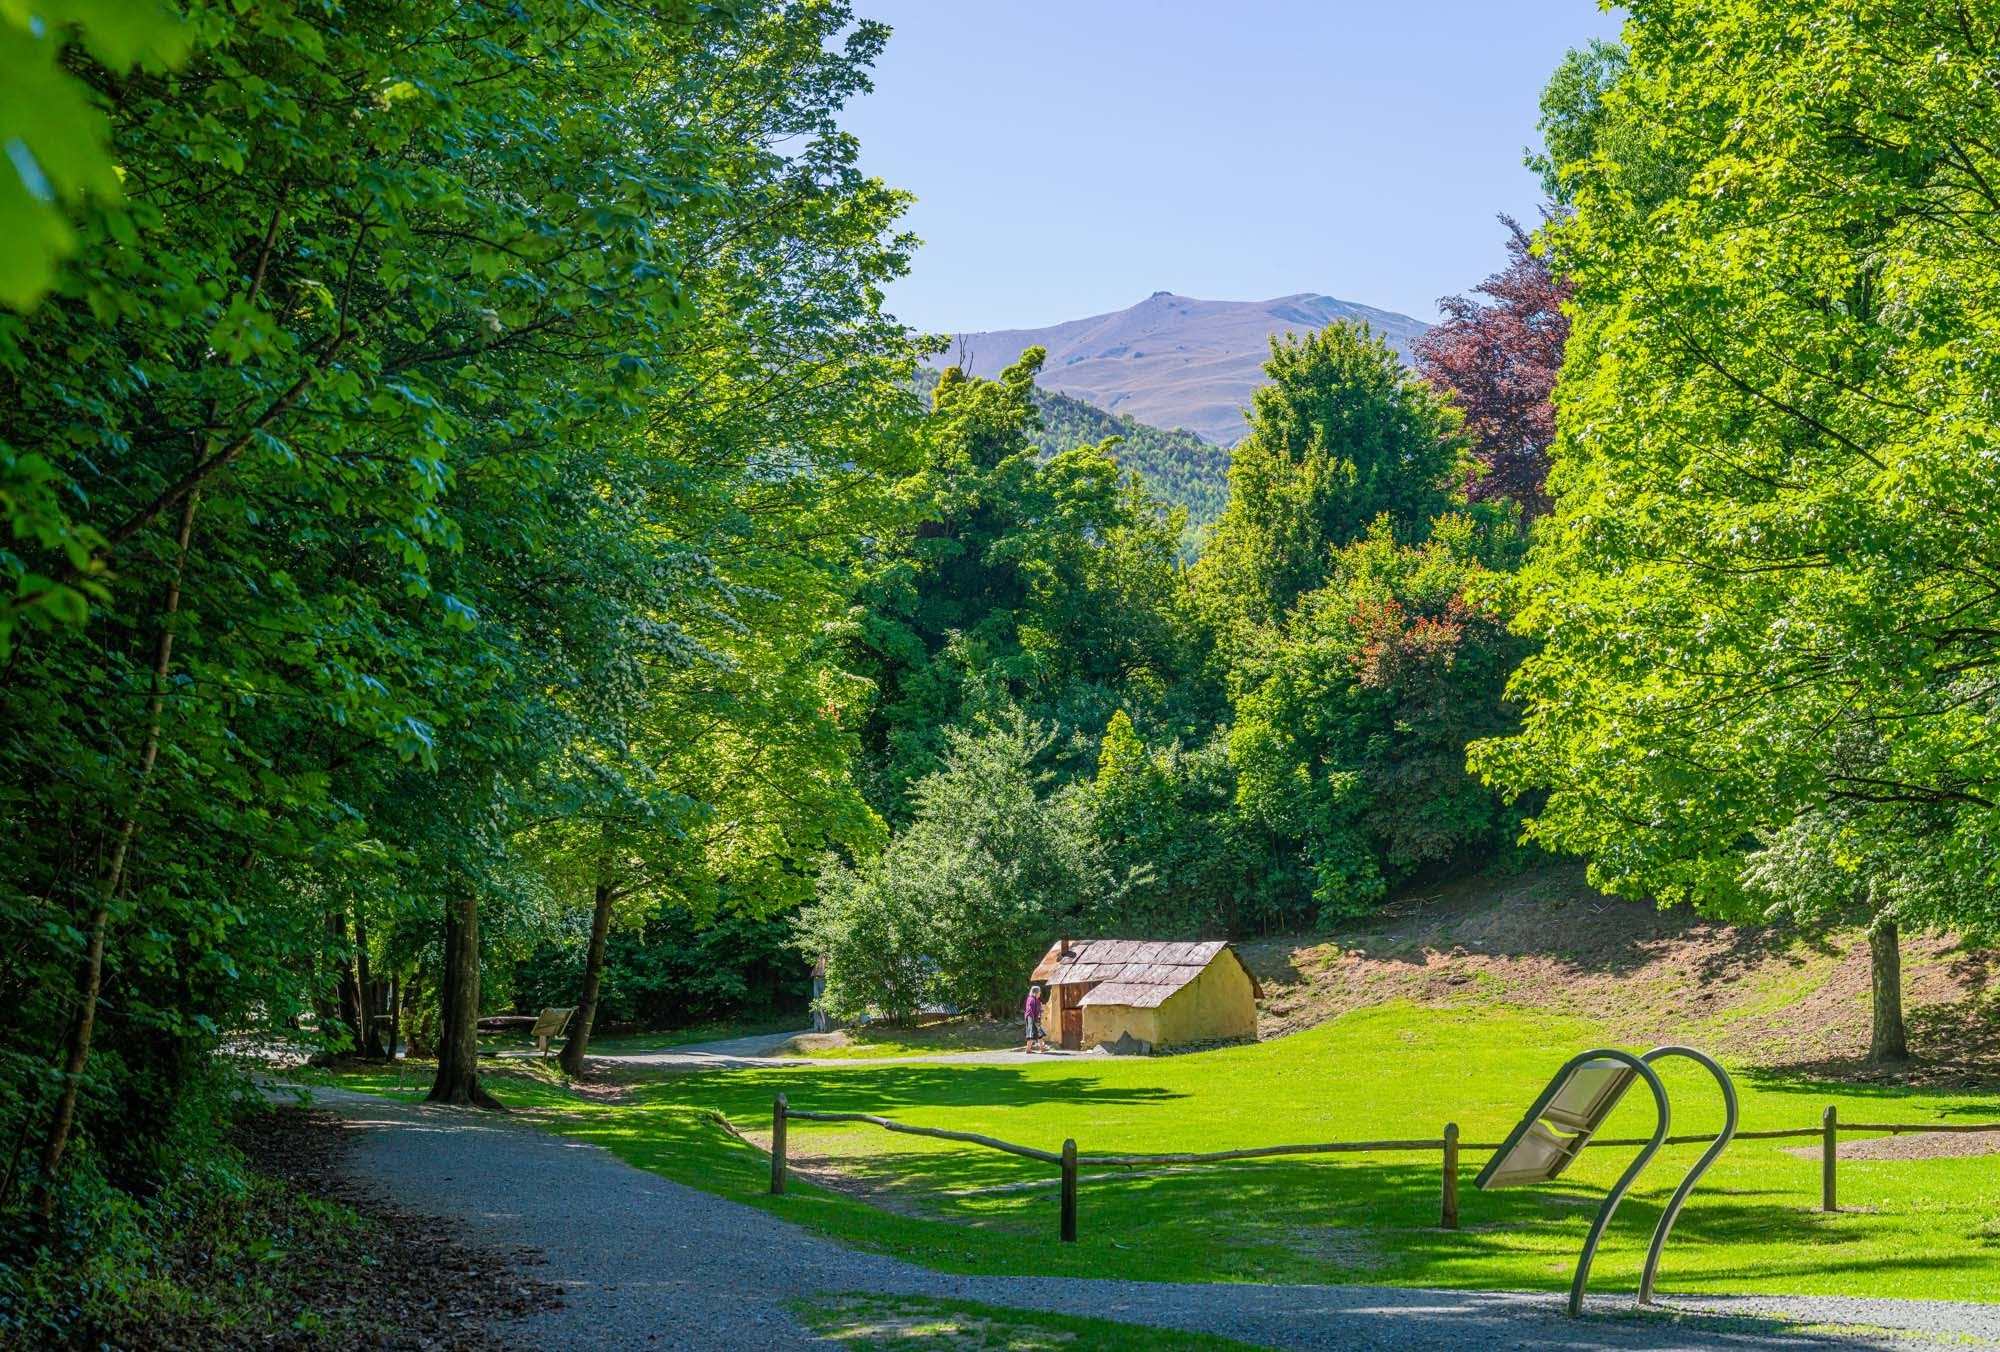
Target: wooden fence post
<point>1069,1192</point>
<point>1829,1151</point>
<point>1448,1209</point>
<point>778,1146</point>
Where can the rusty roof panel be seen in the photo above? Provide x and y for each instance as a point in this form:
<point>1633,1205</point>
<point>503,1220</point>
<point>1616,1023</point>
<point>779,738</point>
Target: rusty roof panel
<point>1133,995</point>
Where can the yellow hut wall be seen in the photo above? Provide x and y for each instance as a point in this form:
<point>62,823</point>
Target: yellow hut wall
<point>1108,1023</point>
<point>1220,1003</point>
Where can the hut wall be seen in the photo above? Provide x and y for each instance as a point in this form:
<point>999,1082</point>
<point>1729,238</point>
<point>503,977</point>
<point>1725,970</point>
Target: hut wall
<point>1108,1023</point>
<point>1220,1003</point>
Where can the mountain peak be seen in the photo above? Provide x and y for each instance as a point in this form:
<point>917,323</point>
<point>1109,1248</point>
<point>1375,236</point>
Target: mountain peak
<point>1171,360</point>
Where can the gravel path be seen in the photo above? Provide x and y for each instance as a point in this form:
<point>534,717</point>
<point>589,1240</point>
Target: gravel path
<point>649,1264</point>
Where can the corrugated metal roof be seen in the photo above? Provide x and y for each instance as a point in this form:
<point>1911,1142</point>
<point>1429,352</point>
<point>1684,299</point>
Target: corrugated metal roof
<point>1137,972</point>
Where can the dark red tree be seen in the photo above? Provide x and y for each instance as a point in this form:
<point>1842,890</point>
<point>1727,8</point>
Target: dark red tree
<point>1499,358</point>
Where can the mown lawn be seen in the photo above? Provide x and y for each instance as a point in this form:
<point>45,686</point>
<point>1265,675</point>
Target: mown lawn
<point>1916,1228</point>
<point>924,1039</point>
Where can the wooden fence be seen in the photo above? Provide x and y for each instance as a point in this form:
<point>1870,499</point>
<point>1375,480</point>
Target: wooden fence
<point>1069,1162</point>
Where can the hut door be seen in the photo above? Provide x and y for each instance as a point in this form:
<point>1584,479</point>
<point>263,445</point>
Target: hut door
<point>1072,1015</point>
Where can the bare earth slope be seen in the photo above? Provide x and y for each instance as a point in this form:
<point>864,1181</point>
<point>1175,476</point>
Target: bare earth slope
<point>1172,361</point>
<point>1768,997</point>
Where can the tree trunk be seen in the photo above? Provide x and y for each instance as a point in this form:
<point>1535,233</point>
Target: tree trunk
<point>1888,1043</point>
<point>417,1015</point>
<point>90,976</point>
<point>458,1027</point>
<point>347,987</point>
<point>395,1017</point>
<point>593,978</point>
<point>370,1027</point>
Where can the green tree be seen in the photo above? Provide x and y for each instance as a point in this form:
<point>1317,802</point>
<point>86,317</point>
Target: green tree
<point>1351,729</point>
<point>996,864</point>
<point>1194,866</point>
<point>1340,435</point>
<point>451,386</point>
<point>53,125</point>
<point>1048,582</point>
<point>1765,599</point>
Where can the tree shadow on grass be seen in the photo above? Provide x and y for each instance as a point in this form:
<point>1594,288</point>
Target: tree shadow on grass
<point>1857,1077</point>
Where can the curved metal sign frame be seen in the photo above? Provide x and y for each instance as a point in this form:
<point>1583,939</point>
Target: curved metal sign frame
<point>1708,1157</point>
<point>1560,1151</point>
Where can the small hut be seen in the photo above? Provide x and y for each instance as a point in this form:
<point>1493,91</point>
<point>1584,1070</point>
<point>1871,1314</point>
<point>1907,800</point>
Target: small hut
<point>1139,994</point>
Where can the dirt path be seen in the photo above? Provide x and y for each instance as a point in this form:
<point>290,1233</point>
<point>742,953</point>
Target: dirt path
<point>649,1264</point>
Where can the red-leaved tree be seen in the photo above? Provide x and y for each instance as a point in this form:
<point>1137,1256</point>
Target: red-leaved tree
<point>1498,358</point>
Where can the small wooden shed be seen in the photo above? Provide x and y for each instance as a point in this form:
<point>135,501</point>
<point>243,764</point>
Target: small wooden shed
<point>1148,993</point>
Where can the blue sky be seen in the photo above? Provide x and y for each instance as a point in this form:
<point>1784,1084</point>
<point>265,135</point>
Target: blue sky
<point>1073,156</point>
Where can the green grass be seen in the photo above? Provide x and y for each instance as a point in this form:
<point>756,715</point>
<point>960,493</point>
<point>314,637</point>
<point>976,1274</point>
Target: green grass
<point>928,1039</point>
<point>1918,1228</point>
<point>715,1031</point>
<point>870,1323</point>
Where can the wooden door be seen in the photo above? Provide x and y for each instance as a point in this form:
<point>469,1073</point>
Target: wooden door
<point>1072,1028</point>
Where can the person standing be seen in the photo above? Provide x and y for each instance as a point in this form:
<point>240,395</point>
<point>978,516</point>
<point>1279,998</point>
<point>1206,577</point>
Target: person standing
<point>1038,1038</point>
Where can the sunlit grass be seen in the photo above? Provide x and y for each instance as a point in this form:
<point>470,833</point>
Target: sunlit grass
<point>927,1039</point>
<point>1918,1228</point>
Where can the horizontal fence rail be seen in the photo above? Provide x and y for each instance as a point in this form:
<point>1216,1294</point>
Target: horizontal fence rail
<point>938,1133</point>
<point>1068,1161</point>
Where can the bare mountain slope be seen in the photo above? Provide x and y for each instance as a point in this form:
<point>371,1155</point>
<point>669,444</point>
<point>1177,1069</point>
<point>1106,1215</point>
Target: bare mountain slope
<point>1171,361</point>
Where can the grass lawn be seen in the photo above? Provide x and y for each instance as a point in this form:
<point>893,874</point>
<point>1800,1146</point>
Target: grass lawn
<point>720,1031</point>
<point>869,1323</point>
<point>1913,1228</point>
<point>924,1039</point>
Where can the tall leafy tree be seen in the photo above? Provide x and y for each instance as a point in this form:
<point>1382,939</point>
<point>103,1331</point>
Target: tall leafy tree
<point>1051,582</point>
<point>377,471</point>
<point>998,861</point>
<point>1340,435</point>
<point>1351,729</point>
<point>1498,358</point>
<point>1767,602</point>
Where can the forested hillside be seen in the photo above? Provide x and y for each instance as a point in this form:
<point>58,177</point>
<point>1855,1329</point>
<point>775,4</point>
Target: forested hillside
<point>1178,467</point>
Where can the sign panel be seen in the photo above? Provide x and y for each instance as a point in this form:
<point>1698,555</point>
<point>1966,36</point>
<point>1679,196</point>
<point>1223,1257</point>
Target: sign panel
<point>1555,1129</point>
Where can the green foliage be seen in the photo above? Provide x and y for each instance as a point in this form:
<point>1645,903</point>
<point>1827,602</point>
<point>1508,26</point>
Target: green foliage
<point>1051,583</point>
<point>995,865</point>
<point>1342,434</point>
<point>672,971</point>
<point>1589,129</point>
<point>441,477</point>
<point>1351,729</point>
<point>1177,467</point>
<point>1766,613</point>
<point>1196,867</point>
<point>54,130</point>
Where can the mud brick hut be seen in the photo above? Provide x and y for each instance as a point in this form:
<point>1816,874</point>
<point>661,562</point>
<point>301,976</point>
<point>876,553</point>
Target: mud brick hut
<point>1138,995</point>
